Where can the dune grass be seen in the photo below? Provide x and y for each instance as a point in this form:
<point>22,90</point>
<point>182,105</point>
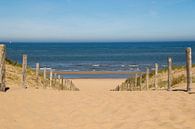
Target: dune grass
<point>179,76</point>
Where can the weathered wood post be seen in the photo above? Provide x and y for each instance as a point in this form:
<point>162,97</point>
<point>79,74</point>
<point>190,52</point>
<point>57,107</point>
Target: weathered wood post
<point>24,70</point>
<point>51,78</point>
<point>140,82</point>
<point>189,68</point>
<point>156,77</point>
<point>2,67</point>
<point>45,76</point>
<point>135,81</point>
<point>37,74</point>
<point>169,61</point>
<point>55,78</point>
<point>147,78</point>
<point>62,83</point>
<point>65,84</point>
<point>59,82</point>
<point>71,85</point>
<point>59,78</point>
<point>44,73</point>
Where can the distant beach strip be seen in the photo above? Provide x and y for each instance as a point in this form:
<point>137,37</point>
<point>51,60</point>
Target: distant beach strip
<point>95,74</point>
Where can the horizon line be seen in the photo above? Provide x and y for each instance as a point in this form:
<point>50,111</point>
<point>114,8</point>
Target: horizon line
<point>97,41</point>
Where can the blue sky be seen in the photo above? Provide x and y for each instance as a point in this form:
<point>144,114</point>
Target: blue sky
<point>97,20</point>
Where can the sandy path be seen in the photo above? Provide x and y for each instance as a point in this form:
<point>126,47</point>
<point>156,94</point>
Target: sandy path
<point>97,85</point>
<point>96,108</point>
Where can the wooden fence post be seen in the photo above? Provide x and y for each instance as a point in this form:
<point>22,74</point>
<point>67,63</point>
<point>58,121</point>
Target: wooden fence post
<point>135,81</point>
<point>131,86</point>
<point>37,74</point>
<point>71,85</point>
<point>140,82</point>
<point>59,79</point>
<point>189,68</point>
<point>45,76</point>
<point>44,73</point>
<point>24,70</point>
<point>62,83</point>
<point>51,78</point>
<point>169,61</point>
<point>59,82</point>
<point>2,67</point>
<point>147,78</point>
<point>55,78</point>
<point>156,77</point>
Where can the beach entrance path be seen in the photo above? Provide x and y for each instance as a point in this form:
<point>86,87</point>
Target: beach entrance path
<point>95,107</point>
<point>98,85</point>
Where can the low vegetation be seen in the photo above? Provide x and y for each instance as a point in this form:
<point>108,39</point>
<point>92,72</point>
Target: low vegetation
<point>133,84</point>
<point>14,77</point>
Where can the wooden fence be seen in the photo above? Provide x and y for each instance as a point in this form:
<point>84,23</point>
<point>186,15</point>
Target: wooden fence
<point>146,83</point>
<point>62,84</point>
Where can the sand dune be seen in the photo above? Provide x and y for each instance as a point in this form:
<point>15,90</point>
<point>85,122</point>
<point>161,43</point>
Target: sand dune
<point>94,107</point>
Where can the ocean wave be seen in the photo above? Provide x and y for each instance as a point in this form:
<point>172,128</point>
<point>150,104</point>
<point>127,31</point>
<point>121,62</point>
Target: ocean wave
<point>132,65</point>
<point>96,65</point>
<point>122,65</point>
<point>44,68</point>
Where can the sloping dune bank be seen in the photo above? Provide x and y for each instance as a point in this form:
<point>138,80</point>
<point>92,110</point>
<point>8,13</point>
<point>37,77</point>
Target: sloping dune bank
<point>95,107</point>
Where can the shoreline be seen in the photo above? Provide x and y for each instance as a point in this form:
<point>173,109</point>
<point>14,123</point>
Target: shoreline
<point>95,72</point>
<point>96,78</point>
<point>90,72</point>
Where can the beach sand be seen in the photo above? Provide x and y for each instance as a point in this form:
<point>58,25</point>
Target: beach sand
<point>95,107</point>
<point>96,85</point>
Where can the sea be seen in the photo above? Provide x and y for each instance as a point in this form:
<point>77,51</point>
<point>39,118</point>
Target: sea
<point>96,56</point>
